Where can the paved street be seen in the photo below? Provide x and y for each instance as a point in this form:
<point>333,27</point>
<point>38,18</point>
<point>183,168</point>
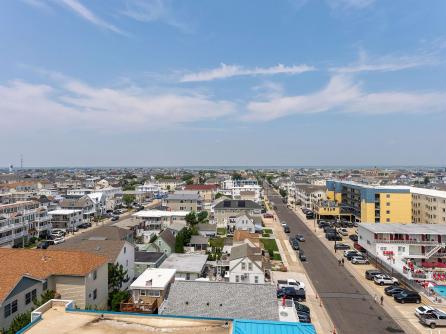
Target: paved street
<point>350,307</point>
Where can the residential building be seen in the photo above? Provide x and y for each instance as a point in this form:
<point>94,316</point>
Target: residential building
<point>66,219</point>
<point>243,189</point>
<point>79,276</point>
<point>227,209</point>
<point>416,251</point>
<point>207,230</point>
<point>157,220</point>
<point>206,192</point>
<point>149,188</point>
<point>184,201</point>
<point>245,223</point>
<point>149,290</point>
<point>145,260</point>
<point>372,204</point>
<point>106,233</point>
<point>428,206</point>
<point>188,266</point>
<point>246,265</point>
<point>199,242</point>
<point>117,252</point>
<point>222,300</point>
<point>84,203</point>
<point>307,195</point>
<point>164,243</point>
<point>21,220</point>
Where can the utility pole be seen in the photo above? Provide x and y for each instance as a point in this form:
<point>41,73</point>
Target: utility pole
<point>21,161</point>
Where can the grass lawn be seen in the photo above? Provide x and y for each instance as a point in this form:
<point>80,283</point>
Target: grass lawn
<point>221,230</point>
<point>270,245</point>
<point>268,231</point>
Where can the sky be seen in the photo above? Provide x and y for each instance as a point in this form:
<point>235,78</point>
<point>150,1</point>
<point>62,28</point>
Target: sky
<point>254,82</point>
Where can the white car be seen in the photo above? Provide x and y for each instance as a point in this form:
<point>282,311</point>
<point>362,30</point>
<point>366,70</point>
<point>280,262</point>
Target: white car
<point>385,280</point>
<point>343,231</point>
<point>359,260</point>
<point>58,240</point>
<point>423,310</point>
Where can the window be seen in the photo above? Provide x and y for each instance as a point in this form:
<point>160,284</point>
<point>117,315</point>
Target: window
<point>387,220</point>
<point>7,310</point>
<point>256,279</point>
<point>125,250</point>
<point>95,275</point>
<point>28,298</point>
<point>249,266</point>
<point>387,195</point>
<point>95,294</point>
<point>142,292</point>
<point>153,293</point>
<point>34,294</point>
<point>237,278</point>
<point>387,203</point>
<point>388,212</point>
<point>14,307</point>
<point>243,266</point>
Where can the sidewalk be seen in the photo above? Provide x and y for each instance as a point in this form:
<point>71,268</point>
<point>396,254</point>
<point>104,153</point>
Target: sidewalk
<point>296,270</point>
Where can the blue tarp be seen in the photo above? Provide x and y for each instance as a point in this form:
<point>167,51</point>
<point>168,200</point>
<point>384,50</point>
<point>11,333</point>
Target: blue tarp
<point>271,327</point>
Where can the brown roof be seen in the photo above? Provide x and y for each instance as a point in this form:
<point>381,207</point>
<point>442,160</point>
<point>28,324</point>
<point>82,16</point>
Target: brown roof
<point>41,264</point>
<point>240,235</point>
<point>108,248</point>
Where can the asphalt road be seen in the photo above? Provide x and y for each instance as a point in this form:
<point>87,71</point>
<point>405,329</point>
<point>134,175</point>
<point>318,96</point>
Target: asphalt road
<point>349,305</point>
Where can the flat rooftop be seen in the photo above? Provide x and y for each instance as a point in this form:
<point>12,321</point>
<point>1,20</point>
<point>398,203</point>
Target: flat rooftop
<point>63,212</point>
<point>155,278</point>
<point>185,263</point>
<point>58,320</point>
<point>404,228</point>
<point>159,214</point>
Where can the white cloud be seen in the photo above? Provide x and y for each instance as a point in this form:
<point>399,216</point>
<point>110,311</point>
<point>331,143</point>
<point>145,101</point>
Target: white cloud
<point>73,104</point>
<point>227,71</point>
<point>153,11</point>
<point>343,94</point>
<point>389,63</point>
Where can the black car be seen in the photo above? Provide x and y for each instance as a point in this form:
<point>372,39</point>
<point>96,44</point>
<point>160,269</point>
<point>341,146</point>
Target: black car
<point>353,237</point>
<point>302,256</point>
<point>342,246</point>
<point>310,215</point>
<point>304,317</point>
<point>351,255</point>
<point>371,273</point>
<point>407,297</point>
<point>329,229</point>
<point>333,237</point>
<point>43,245</point>
<point>300,237</point>
<point>291,293</point>
<point>295,245</point>
<point>115,218</point>
<point>393,290</point>
<point>286,228</point>
<point>301,307</point>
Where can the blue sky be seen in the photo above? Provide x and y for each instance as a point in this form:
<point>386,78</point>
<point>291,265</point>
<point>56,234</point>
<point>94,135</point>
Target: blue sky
<point>156,83</point>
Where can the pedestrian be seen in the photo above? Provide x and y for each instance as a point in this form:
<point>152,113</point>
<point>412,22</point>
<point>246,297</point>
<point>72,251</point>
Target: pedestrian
<point>382,300</point>
<point>339,262</point>
<point>342,261</point>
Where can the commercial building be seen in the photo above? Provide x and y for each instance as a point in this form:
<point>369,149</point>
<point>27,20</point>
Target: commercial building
<point>428,206</point>
<point>372,204</point>
<point>413,250</point>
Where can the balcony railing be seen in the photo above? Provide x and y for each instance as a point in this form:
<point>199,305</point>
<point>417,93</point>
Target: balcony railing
<point>412,242</point>
<point>139,307</point>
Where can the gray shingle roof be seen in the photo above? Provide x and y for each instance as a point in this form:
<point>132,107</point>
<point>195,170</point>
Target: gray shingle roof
<point>148,257</point>
<point>168,238</point>
<point>199,240</point>
<point>179,197</point>
<point>223,300</point>
<point>107,232</point>
<point>207,227</point>
<point>237,204</point>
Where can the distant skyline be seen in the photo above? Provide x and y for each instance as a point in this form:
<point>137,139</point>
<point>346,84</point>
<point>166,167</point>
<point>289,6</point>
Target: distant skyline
<point>223,83</point>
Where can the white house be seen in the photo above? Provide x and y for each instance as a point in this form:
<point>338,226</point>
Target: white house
<point>246,265</point>
<point>66,218</point>
<point>244,223</point>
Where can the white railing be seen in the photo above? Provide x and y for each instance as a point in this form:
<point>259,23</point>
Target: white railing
<point>414,242</point>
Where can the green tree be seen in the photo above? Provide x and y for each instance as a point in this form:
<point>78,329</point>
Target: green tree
<point>218,195</point>
<point>191,218</point>
<point>44,297</point>
<point>116,276</point>
<point>115,298</point>
<point>179,242</point>
<point>283,192</point>
<point>128,199</point>
<point>202,217</point>
<point>19,322</point>
<point>426,180</point>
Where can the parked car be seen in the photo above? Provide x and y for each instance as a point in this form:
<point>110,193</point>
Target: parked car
<point>114,218</point>
<point>291,293</point>
<point>333,237</point>
<point>290,283</point>
<point>341,246</point>
<point>351,255</point>
<point>85,225</point>
<point>300,237</point>
<point>295,245</point>
<point>434,319</point>
<point>57,234</point>
<point>359,260</point>
<point>423,310</point>
<point>72,229</point>
<point>56,241</point>
<point>371,273</point>
<point>43,244</point>
<point>304,317</point>
<point>393,290</point>
<point>301,307</point>
<point>353,237</point>
<point>309,215</point>
<point>407,297</point>
<point>302,256</point>
<point>343,231</point>
<point>385,280</point>
<point>286,228</point>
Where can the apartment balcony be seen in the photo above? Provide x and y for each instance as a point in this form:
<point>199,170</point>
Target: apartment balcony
<point>14,226</point>
<point>12,237</point>
<point>410,242</point>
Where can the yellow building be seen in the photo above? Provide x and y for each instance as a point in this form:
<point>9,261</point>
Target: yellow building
<point>372,204</point>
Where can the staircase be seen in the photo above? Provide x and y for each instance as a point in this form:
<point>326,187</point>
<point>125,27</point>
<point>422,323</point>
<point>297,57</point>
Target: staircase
<point>433,251</point>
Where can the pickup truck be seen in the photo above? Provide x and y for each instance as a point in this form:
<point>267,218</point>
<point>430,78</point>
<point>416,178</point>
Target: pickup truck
<point>290,283</point>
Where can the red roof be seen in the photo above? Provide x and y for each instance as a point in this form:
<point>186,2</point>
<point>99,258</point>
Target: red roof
<point>201,187</point>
